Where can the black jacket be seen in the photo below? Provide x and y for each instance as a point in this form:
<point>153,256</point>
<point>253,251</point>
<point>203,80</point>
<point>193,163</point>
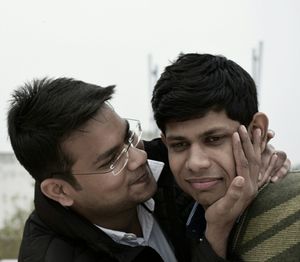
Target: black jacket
<point>54,233</point>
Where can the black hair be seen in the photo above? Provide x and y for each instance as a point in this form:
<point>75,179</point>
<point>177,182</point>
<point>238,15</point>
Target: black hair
<point>197,83</point>
<point>42,114</point>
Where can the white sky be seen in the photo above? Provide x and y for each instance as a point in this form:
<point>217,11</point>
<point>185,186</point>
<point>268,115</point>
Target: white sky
<point>108,42</point>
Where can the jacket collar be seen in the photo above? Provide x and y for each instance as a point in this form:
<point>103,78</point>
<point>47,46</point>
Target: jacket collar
<point>69,224</point>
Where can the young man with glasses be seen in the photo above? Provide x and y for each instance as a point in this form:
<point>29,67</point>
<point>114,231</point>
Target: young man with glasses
<point>94,187</point>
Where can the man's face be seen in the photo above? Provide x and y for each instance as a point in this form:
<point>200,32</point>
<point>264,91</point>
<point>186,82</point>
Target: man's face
<point>201,156</point>
<point>95,146</point>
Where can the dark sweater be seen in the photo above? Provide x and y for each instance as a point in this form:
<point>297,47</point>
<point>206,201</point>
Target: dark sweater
<point>54,233</point>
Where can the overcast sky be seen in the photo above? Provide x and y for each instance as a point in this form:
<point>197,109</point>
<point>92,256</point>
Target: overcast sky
<point>108,42</point>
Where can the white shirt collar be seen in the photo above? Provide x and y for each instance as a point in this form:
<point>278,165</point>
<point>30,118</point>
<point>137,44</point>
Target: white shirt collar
<point>156,168</point>
<point>146,219</point>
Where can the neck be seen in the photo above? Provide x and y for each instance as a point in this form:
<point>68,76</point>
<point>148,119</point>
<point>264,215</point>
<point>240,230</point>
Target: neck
<point>126,221</point>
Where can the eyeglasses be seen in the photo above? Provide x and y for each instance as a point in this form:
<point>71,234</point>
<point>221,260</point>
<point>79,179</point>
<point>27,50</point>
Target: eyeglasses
<point>116,165</point>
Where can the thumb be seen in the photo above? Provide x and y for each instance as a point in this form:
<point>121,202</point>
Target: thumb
<point>233,194</point>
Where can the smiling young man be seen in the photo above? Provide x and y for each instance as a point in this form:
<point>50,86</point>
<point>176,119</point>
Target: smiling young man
<point>205,105</point>
<point>203,144</point>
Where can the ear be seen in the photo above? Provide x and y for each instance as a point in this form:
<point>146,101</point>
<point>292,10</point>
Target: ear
<point>163,138</point>
<point>56,189</point>
<point>261,121</point>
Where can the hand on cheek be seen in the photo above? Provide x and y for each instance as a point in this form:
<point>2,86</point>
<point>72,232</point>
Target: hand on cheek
<point>240,193</point>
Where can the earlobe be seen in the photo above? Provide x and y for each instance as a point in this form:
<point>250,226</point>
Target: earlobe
<point>54,189</point>
<point>261,121</point>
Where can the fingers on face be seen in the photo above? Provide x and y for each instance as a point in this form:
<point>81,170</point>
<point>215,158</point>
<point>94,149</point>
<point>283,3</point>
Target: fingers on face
<point>234,196</point>
<point>243,150</point>
<point>247,153</point>
<point>257,142</point>
<point>251,149</point>
<point>238,150</point>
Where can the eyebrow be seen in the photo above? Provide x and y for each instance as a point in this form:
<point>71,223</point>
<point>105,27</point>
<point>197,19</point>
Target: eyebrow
<point>209,132</point>
<point>110,151</point>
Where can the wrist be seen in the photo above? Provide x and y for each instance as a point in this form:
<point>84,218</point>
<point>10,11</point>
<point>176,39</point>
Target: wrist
<point>218,238</point>
<point>217,234</point>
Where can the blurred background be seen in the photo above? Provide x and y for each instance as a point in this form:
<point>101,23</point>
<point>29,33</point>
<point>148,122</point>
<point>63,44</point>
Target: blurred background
<point>128,43</point>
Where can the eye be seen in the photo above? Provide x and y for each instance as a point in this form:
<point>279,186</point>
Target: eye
<point>178,146</point>
<point>214,140</point>
<point>133,139</point>
<point>111,160</point>
<point>130,137</point>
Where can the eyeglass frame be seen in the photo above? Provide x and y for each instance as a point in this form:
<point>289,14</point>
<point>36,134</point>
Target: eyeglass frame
<point>125,150</point>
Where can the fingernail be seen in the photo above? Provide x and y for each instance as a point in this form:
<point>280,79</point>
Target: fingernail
<point>236,136</point>
<point>272,132</point>
<point>281,154</point>
<point>258,130</point>
<point>259,176</point>
<point>243,128</point>
<point>239,181</point>
<point>274,179</point>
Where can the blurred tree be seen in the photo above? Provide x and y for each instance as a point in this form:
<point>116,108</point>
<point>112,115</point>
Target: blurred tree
<point>12,231</point>
<point>296,167</point>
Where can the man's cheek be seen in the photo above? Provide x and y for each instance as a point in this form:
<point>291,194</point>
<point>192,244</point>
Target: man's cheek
<point>175,166</point>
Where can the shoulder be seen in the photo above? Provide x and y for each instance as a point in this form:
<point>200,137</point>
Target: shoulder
<point>278,196</point>
<point>40,243</point>
<point>270,227</point>
<point>283,190</point>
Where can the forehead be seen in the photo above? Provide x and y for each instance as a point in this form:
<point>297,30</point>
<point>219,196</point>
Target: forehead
<point>212,121</point>
<point>102,121</point>
<point>97,135</point>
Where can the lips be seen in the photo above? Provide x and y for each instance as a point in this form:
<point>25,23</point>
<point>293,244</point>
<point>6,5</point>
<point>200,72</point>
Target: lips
<point>141,179</point>
<point>203,183</point>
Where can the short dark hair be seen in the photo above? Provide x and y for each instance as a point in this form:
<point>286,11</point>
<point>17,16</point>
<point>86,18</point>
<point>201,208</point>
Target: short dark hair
<point>197,83</point>
<point>43,113</point>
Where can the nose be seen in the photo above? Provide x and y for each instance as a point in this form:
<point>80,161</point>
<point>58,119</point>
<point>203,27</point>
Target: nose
<point>197,160</point>
<point>137,158</point>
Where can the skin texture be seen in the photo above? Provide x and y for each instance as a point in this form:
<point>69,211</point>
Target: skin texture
<point>107,200</point>
<point>201,155</point>
<point>110,201</point>
<point>214,160</point>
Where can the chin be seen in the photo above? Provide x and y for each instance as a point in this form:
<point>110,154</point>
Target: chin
<point>149,191</point>
<point>206,201</point>
<point>153,189</point>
